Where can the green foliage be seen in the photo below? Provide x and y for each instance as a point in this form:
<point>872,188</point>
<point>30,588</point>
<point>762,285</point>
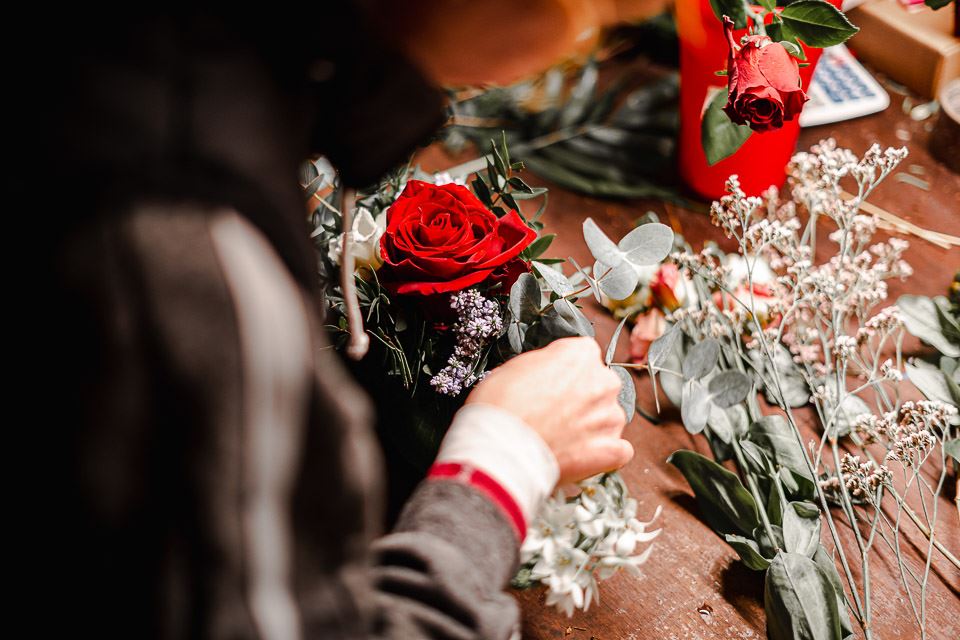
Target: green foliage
<point>616,142</point>
<point>933,321</point>
<point>734,9</point>
<point>726,505</point>
<point>799,600</point>
<point>817,23</point>
<point>720,136</point>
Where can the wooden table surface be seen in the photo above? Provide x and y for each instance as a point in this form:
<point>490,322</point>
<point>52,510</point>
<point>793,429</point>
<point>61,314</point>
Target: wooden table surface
<point>693,586</point>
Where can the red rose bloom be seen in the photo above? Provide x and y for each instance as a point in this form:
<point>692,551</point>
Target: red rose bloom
<point>441,239</point>
<point>763,82</point>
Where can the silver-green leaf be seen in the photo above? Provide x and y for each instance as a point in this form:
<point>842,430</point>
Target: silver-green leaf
<point>647,244</point>
<point>603,248</point>
<point>799,600</point>
<point>628,391</point>
<point>700,359</point>
<point>749,552</point>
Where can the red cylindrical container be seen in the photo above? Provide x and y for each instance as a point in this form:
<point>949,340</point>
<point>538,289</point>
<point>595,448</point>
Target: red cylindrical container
<point>761,161</point>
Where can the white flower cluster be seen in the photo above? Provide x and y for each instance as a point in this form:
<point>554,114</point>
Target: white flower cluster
<point>845,348</point>
<point>704,264</point>
<point>885,322</point>
<point>908,433</point>
<point>816,176</point>
<point>575,542</point>
<point>862,479</point>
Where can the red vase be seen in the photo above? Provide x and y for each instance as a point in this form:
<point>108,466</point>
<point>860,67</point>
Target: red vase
<point>762,159</point>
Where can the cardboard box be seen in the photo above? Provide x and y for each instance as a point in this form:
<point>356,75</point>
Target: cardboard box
<point>914,46</point>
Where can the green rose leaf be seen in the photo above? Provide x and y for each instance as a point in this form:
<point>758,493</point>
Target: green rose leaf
<point>731,8</point>
<point>799,600</point>
<point>793,49</point>
<point>937,4</point>
<point>726,505</point>
<point>538,247</point>
<point>818,23</point>
<point>719,135</point>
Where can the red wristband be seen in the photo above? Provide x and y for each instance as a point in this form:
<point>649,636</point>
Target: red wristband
<point>487,486</point>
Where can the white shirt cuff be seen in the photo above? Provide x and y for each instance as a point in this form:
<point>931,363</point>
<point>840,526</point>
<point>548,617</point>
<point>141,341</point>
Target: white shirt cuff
<point>504,447</point>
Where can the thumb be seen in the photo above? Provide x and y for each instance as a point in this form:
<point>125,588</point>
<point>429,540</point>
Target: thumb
<point>596,455</point>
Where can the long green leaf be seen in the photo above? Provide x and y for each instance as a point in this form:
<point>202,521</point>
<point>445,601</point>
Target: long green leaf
<point>799,600</point>
<point>749,552</point>
<point>726,505</point>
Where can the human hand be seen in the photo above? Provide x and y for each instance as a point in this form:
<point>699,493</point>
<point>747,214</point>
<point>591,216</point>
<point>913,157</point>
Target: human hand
<point>568,396</point>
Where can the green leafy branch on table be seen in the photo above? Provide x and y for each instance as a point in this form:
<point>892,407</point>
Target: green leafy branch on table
<point>820,342</point>
<point>613,142</point>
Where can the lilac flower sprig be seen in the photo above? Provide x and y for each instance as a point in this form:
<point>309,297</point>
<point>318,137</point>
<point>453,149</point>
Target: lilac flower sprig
<point>479,323</point>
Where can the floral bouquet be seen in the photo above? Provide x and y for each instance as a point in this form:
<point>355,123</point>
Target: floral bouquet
<point>803,332</point>
<point>431,284</point>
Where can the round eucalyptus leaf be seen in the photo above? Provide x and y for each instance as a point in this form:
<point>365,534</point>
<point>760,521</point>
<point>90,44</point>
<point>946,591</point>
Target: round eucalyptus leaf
<point>525,298</point>
<point>775,436</point>
<point>564,319</point>
<point>661,347</point>
<point>556,281</point>
<point>617,283</point>
<point>647,244</point>
<point>728,388</point>
<point>694,407</point>
<point>603,248</point>
<point>700,359</point>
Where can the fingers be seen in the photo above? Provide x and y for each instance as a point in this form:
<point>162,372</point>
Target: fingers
<point>594,456</point>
